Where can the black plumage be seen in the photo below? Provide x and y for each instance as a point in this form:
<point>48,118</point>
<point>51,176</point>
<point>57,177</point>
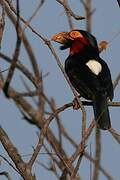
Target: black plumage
<point>89,74</point>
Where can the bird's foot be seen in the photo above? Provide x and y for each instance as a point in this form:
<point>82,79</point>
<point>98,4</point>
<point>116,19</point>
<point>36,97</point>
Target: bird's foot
<point>75,103</point>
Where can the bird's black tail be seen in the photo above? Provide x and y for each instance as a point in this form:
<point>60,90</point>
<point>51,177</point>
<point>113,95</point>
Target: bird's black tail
<point>101,112</point>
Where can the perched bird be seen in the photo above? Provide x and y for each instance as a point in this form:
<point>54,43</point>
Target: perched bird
<point>88,73</point>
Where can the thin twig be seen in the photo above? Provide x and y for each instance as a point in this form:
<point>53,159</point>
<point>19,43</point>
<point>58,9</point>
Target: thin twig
<point>89,12</point>
<point>14,155</point>
<point>2,22</point>
<point>68,14</point>
<point>67,8</point>
<point>51,168</point>
<point>116,81</point>
<point>40,123</point>
<point>26,43</point>
<point>22,68</point>
<point>38,75</point>
<point>86,155</point>
<point>29,92</point>
<point>33,14</point>
<point>80,148</point>
<point>97,155</point>
<point>74,173</point>
<point>41,140</point>
<point>64,174</point>
<point>90,162</point>
<point>16,54</point>
<point>53,115</point>
<point>40,143</point>
<point>54,159</point>
<point>106,174</point>
<point>53,107</point>
<point>115,134</point>
<point>9,163</point>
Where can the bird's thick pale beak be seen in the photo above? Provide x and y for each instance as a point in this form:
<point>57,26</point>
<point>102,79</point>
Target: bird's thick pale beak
<point>62,37</point>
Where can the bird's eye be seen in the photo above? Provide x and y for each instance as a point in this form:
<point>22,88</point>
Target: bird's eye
<point>75,34</point>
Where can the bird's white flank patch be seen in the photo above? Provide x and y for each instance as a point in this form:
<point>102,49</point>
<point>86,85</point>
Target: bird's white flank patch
<point>94,66</point>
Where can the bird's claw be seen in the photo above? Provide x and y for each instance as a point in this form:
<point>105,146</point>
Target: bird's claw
<point>76,105</point>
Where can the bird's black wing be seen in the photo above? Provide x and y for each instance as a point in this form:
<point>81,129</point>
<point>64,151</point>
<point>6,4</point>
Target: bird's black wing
<point>105,79</point>
<point>91,86</point>
<point>83,80</point>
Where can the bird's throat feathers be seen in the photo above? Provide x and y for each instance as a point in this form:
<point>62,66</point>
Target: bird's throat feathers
<point>78,46</point>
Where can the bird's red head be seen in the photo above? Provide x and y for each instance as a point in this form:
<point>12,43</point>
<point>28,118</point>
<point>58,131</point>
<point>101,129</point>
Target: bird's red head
<point>76,40</point>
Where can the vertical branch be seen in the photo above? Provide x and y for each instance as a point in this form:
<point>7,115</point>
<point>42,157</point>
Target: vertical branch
<point>74,173</point>
<point>53,107</point>
<point>90,163</point>
<point>16,54</point>
<point>69,17</point>
<point>88,16</point>
<point>103,171</point>
<point>38,76</point>
<point>2,22</point>
<point>88,10</point>
<point>97,155</point>
<point>80,147</point>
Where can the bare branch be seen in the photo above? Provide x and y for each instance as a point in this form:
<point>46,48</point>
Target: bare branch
<point>74,173</point>
<point>115,134</point>
<point>22,68</point>
<point>33,15</point>
<point>68,9</point>
<point>51,168</point>
<point>116,81</point>
<point>10,164</point>
<point>97,155</point>
<point>80,148</point>
<point>2,22</point>
<point>41,140</point>
<point>37,115</point>
<point>86,154</point>
<point>15,56</point>
<point>89,12</point>
<point>15,156</point>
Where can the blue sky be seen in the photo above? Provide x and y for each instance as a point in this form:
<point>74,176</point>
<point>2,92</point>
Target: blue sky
<point>49,20</point>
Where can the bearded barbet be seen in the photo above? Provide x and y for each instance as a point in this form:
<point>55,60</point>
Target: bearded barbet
<point>88,73</point>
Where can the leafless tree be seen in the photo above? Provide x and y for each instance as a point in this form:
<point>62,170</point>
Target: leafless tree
<point>32,103</point>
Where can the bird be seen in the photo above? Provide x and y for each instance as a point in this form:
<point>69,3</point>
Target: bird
<point>88,72</point>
